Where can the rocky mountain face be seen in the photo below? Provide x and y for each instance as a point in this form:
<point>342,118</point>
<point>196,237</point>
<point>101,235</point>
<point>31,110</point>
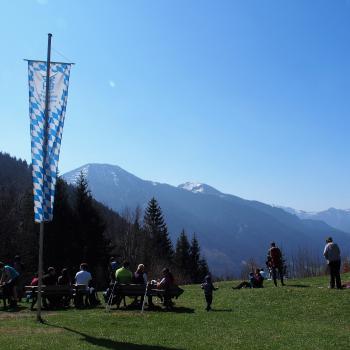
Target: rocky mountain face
<point>231,230</point>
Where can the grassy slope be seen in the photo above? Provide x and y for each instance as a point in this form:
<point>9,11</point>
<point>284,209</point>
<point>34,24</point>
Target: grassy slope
<point>299,316</point>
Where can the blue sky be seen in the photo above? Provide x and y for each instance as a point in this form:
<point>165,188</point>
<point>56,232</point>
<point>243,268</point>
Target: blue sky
<point>251,97</point>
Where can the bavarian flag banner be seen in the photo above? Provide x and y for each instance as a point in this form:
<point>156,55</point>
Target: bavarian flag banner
<point>46,135</point>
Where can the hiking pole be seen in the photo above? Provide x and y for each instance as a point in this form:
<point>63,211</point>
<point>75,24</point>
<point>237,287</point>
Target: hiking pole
<point>144,298</point>
<point>110,299</point>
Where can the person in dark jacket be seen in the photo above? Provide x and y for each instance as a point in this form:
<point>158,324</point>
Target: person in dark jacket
<point>274,256</point>
<point>208,288</point>
<point>332,254</point>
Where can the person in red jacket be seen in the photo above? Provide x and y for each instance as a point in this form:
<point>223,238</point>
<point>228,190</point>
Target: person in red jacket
<point>274,256</point>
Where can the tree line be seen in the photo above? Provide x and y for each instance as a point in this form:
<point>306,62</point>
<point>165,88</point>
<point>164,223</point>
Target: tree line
<point>84,230</point>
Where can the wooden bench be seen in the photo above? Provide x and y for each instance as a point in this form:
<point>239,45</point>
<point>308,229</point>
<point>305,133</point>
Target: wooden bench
<point>138,290</point>
<point>60,295</point>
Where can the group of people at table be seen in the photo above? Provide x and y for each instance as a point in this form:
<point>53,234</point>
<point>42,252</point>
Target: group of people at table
<point>12,286</point>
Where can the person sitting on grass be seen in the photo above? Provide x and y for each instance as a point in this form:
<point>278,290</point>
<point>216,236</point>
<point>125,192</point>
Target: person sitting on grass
<point>255,281</point>
<point>8,281</point>
<point>124,275</point>
<point>208,288</point>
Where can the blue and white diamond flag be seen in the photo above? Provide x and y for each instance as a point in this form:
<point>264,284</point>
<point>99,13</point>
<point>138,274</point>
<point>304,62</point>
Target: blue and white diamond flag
<point>46,135</point>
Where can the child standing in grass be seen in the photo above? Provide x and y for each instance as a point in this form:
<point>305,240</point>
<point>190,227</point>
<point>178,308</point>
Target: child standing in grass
<point>208,288</point>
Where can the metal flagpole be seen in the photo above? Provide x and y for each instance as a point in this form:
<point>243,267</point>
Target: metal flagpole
<point>46,122</point>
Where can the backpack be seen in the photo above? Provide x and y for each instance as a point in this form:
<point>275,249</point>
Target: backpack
<point>276,256</point>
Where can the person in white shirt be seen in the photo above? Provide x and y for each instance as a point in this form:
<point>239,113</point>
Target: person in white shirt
<point>83,276</point>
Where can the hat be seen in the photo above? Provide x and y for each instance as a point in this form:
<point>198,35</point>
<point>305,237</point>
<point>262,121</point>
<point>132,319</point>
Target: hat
<point>329,239</point>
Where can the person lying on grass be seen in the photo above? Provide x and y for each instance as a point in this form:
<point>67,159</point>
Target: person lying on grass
<point>255,281</point>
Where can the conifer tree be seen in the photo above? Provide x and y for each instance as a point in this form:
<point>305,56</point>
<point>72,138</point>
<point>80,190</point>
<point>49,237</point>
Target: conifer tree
<point>94,247</point>
<point>182,254</point>
<point>61,240</point>
<point>194,259</point>
<point>157,232</point>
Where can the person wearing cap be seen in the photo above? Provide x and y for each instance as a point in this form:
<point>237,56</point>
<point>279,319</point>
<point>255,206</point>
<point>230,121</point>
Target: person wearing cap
<point>332,254</point>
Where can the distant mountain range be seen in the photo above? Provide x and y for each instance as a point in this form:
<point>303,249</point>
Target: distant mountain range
<point>230,229</point>
<point>337,218</point>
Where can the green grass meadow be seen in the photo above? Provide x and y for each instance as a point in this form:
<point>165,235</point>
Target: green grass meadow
<point>304,314</point>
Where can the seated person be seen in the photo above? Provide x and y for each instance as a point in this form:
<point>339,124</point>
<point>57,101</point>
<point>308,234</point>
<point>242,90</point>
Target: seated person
<point>35,280</point>
<point>83,277</point>
<point>9,277</point>
<point>263,274</point>
<point>64,279</point>
<point>140,276</point>
<point>113,266</point>
<point>50,278</point>
<point>255,281</point>
<point>124,275</point>
<point>165,283</point>
<point>167,279</point>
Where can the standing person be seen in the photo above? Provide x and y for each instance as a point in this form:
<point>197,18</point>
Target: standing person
<point>332,254</point>
<point>8,280</point>
<point>208,288</point>
<point>275,259</point>
<point>19,267</point>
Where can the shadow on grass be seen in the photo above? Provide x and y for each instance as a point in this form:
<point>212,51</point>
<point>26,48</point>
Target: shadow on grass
<point>156,308</point>
<point>13,309</point>
<point>109,343</point>
<point>221,310</point>
<point>298,285</point>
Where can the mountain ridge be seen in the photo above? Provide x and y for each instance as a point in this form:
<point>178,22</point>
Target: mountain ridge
<point>230,229</point>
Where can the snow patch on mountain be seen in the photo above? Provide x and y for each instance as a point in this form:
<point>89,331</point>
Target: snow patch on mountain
<point>198,187</point>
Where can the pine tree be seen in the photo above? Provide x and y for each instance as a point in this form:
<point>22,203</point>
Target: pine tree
<point>194,259</point>
<point>94,247</point>
<point>157,232</point>
<point>182,254</point>
<point>61,242</point>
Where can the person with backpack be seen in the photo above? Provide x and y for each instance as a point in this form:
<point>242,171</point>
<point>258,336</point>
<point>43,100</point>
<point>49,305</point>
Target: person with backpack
<point>332,254</point>
<point>274,256</point>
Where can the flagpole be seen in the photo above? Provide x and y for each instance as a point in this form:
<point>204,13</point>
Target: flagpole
<point>41,234</point>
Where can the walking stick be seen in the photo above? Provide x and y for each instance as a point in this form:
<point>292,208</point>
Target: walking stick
<point>144,298</point>
<point>110,299</point>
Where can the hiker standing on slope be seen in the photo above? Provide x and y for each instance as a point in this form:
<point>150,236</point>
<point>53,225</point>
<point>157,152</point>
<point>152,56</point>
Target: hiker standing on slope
<point>332,254</point>
<point>274,256</point>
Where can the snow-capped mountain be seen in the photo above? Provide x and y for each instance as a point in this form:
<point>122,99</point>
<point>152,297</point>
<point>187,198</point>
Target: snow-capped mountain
<point>230,229</point>
<point>337,218</point>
